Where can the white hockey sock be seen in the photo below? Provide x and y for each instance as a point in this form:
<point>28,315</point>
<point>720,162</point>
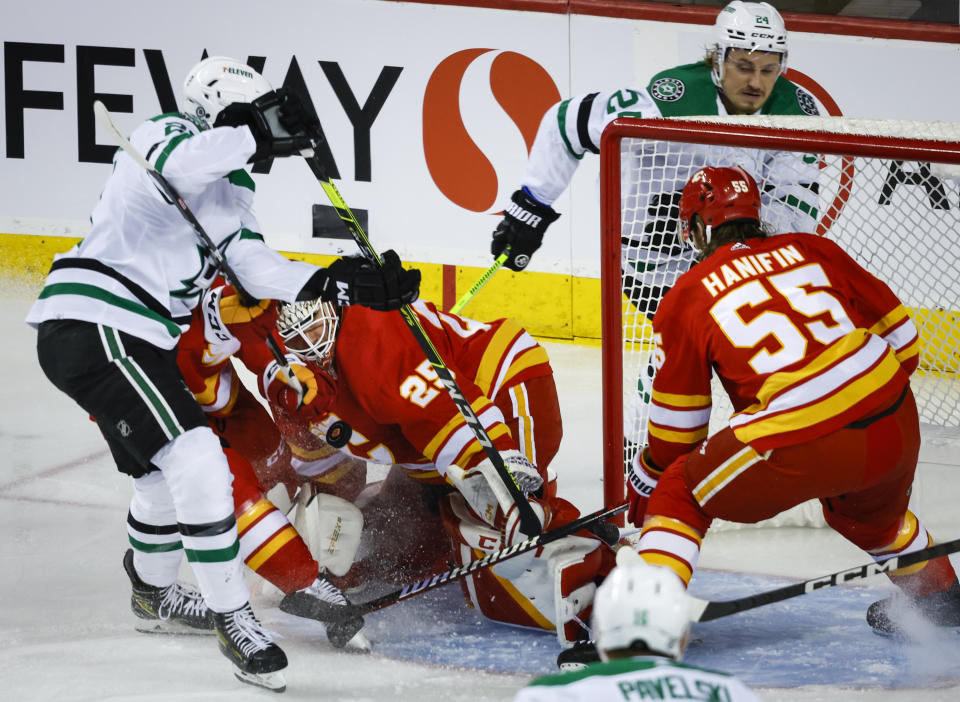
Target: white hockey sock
<point>153,532</point>
<point>199,479</point>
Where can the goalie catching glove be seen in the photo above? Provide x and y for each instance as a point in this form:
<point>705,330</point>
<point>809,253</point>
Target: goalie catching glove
<point>485,493</point>
<point>641,481</point>
<point>356,281</point>
<point>522,229</point>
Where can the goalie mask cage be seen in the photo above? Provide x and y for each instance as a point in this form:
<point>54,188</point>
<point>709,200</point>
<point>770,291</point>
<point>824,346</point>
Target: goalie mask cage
<point>887,191</point>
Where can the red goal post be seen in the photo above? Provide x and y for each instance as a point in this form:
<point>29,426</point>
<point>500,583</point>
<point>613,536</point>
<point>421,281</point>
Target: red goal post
<point>860,165</point>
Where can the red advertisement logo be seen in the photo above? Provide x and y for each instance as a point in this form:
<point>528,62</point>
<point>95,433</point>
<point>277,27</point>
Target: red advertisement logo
<point>460,170</point>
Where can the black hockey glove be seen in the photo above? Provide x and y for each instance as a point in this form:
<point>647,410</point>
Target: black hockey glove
<point>521,228</point>
<point>661,243</point>
<point>357,281</point>
<point>296,114</point>
<point>267,117</point>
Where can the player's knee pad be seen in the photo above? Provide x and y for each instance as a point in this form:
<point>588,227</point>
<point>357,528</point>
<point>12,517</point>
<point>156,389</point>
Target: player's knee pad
<point>549,588</point>
<point>152,502</point>
<point>196,471</point>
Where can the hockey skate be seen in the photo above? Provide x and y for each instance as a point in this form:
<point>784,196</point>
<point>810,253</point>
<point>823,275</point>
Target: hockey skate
<point>890,616</point>
<point>257,659</point>
<point>175,609</point>
<point>324,601</point>
<point>578,656</point>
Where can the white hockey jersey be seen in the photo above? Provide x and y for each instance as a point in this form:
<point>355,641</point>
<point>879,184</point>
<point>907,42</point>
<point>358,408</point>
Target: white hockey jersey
<point>141,269</point>
<point>642,678</point>
<point>653,173</point>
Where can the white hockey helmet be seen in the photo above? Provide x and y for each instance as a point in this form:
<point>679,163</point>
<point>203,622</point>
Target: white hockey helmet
<point>753,26</point>
<point>641,606</point>
<point>219,81</point>
<point>309,329</point>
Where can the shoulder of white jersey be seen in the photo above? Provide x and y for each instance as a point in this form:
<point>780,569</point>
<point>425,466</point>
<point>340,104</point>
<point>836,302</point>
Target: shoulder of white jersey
<point>158,135</point>
<point>582,118</point>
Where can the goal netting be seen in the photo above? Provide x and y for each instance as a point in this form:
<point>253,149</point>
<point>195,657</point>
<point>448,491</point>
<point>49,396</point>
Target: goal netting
<point>887,191</point>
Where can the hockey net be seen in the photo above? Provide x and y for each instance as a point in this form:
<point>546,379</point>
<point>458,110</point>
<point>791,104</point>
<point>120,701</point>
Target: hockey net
<point>887,191</point>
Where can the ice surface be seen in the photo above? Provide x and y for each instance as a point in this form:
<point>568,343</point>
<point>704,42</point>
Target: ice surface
<point>66,630</point>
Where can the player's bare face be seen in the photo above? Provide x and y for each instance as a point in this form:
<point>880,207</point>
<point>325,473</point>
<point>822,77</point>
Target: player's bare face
<point>748,79</point>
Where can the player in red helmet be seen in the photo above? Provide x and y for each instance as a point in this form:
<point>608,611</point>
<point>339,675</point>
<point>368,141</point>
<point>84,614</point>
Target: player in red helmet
<point>718,195</point>
<point>816,355</point>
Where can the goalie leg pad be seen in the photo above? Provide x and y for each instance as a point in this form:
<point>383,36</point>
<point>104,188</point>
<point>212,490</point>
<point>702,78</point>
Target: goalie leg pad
<point>538,589</point>
<point>332,527</point>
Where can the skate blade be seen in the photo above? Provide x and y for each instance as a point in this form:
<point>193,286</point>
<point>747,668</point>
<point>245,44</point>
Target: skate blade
<point>167,628</point>
<point>275,682</point>
<point>359,644</point>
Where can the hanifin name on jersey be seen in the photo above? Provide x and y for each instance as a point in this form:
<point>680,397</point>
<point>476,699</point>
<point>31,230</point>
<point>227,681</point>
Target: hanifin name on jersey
<point>749,266</point>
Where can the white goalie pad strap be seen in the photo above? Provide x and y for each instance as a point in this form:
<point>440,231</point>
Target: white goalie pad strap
<point>331,527</point>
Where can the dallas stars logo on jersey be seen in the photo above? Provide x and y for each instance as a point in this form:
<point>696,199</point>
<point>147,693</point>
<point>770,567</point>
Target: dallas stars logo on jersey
<point>667,89</point>
<point>202,279</point>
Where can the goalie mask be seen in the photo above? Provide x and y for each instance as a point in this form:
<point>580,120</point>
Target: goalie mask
<point>718,195</point>
<point>752,26</point>
<point>219,81</point>
<point>641,606</point>
<point>309,329</point>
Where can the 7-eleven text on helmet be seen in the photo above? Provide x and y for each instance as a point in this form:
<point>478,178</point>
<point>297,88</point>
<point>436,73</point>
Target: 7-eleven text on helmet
<point>219,81</point>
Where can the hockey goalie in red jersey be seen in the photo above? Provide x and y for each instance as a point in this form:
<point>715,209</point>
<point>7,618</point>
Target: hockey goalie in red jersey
<point>442,502</point>
<point>816,355</point>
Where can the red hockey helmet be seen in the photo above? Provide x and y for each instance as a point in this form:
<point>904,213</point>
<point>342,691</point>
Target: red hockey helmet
<point>718,194</point>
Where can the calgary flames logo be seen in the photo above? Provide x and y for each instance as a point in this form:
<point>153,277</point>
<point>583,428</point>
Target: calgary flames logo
<point>458,167</point>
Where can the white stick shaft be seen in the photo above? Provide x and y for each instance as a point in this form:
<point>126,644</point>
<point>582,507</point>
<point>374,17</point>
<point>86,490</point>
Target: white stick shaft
<point>103,116</point>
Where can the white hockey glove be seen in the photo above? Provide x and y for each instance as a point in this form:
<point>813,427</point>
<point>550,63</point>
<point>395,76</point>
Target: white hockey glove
<point>483,489</point>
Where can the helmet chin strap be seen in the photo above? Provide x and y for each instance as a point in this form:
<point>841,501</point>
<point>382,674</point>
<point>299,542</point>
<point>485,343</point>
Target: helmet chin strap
<point>707,232</point>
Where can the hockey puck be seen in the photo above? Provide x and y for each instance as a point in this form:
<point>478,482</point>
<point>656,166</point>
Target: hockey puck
<point>339,434</point>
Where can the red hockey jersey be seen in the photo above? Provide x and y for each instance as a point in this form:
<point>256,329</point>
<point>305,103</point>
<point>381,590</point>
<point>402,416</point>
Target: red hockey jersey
<point>802,338</point>
<point>390,396</point>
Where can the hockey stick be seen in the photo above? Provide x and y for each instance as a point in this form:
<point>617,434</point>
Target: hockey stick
<point>209,248</point>
<point>529,523</point>
<point>490,560</point>
<point>704,611</point>
<point>475,288</point>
